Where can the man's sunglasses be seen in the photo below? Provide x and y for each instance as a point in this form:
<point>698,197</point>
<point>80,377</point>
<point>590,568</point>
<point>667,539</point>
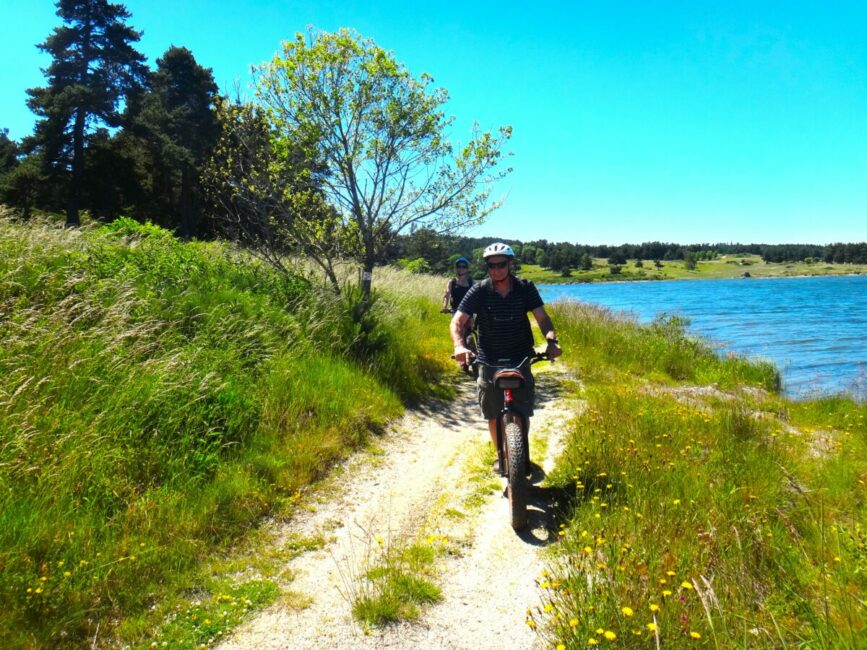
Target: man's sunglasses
<point>498,265</point>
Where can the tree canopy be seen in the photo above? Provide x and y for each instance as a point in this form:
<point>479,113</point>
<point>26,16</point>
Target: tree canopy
<point>94,66</point>
<point>383,137</point>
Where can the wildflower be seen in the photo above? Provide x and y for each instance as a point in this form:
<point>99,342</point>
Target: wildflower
<point>548,607</point>
<point>663,581</point>
<point>588,550</point>
<point>676,502</point>
<point>652,627</point>
<point>670,573</point>
<point>686,584</point>
<point>611,636</point>
<point>599,630</point>
<point>66,574</point>
<point>666,593</point>
<point>573,622</point>
<point>695,635</point>
<point>654,607</point>
<point>531,623</point>
<point>592,641</point>
<point>627,611</point>
<point>560,646</point>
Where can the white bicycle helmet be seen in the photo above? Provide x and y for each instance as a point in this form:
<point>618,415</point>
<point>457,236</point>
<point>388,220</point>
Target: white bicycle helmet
<point>498,248</point>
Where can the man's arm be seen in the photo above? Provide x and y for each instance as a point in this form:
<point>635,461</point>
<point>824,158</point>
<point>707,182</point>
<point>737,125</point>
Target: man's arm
<point>547,328</point>
<point>456,327</point>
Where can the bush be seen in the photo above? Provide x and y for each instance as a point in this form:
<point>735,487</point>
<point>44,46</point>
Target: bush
<point>418,265</point>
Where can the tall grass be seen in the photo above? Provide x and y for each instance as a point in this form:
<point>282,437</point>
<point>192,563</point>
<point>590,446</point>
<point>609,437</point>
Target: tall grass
<point>158,398</point>
<point>706,512</point>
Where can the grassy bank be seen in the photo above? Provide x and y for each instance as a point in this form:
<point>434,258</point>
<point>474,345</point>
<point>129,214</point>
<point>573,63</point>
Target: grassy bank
<point>724,267</point>
<point>708,510</point>
<point>158,399</point>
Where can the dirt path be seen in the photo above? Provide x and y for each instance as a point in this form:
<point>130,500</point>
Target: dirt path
<point>487,588</point>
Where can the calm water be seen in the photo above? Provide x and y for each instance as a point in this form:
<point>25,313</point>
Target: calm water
<point>813,329</point>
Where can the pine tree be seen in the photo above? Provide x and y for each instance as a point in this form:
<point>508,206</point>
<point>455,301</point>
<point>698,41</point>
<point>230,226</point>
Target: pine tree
<point>178,123</point>
<point>94,67</point>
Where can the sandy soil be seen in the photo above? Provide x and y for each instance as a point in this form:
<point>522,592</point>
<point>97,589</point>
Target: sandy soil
<point>487,588</point>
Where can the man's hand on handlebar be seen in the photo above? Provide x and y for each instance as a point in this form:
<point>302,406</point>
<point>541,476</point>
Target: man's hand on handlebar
<point>553,350</point>
<point>462,355</point>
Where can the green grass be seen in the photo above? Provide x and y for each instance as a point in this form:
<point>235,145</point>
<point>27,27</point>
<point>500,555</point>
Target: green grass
<point>398,582</point>
<point>158,399</point>
<point>726,266</point>
<point>708,510</point>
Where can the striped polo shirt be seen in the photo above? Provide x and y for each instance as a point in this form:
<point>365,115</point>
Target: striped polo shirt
<point>504,328</point>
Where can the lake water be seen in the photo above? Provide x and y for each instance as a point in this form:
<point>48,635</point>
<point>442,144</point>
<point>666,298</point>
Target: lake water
<point>814,329</point>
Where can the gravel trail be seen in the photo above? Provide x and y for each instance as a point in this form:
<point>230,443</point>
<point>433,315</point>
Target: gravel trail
<point>487,588</point>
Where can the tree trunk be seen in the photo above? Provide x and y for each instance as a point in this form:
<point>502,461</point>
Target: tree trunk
<point>187,226</point>
<point>74,197</point>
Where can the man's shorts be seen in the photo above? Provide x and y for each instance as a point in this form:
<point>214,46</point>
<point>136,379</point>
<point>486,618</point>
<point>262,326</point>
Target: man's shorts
<point>491,399</point>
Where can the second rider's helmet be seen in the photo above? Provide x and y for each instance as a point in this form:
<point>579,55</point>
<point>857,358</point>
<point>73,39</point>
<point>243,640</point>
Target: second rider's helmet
<point>462,260</point>
<point>498,248</point>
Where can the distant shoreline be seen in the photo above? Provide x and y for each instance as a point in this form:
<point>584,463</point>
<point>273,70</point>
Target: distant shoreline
<point>569,282</point>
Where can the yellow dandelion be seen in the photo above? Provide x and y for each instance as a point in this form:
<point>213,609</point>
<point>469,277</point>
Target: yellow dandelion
<point>38,590</point>
<point>627,611</point>
<point>695,635</point>
<point>666,593</point>
<point>560,646</point>
<point>599,630</point>
<point>531,623</point>
<point>588,550</point>
<point>66,574</point>
<point>592,641</point>
<point>548,607</point>
<point>652,627</point>
<point>670,573</point>
<point>663,581</point>
<point>686,584</point>
<point>611,636</point>
<point>573,622</point>
<point>654,607</point>
<point>676,502</point>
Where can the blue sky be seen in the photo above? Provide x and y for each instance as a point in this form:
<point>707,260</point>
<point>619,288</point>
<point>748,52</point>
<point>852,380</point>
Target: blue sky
<point>633,121</point>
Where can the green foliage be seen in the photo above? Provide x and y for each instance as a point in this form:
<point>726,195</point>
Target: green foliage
<point>381,135</point>
<point>265,190</point>
<point>176,123</point>
<point>160,397</point>
<point>418,265</point>
<point>690,261</point>
<point>94,66</point>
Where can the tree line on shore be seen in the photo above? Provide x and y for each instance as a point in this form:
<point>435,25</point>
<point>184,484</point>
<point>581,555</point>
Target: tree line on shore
<point>438,252</point>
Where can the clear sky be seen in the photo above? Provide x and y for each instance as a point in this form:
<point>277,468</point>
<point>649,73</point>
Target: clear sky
<point>633,121</point>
